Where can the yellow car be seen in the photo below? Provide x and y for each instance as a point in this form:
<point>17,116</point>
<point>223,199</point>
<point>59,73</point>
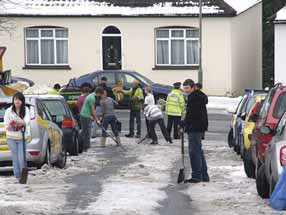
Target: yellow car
<point>249,125</point>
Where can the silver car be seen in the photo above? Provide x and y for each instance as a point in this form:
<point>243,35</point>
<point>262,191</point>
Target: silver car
<point>275,154</point>
<point>45,145</point>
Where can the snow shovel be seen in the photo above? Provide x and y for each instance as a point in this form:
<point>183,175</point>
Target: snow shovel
<point>111,136</point>
<point>24,172</point>
<point>143,139</point>
<point>181,177</point>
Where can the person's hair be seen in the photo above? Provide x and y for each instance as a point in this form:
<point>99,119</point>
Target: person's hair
<point>199,86</point>
<point>20,97</point>
<point>85,90</point>
<point>104,78</point>
<point>57,86</point>
<point>189,82</point>
<point>99,90</point>
<point>148,89</point>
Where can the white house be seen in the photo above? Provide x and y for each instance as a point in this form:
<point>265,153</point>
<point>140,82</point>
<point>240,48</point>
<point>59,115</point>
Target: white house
<point>57,40</point>
<point>280,46</point>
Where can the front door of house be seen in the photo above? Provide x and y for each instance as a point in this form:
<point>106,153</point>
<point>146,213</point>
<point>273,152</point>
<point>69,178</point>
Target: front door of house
<point>111,48</point>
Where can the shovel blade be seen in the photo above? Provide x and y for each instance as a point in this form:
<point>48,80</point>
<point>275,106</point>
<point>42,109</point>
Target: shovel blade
<point>181,177</point>
<point>24,176</point>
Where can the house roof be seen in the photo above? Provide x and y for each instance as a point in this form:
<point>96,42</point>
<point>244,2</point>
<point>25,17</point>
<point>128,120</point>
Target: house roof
<point>122,7</point>
<point>281,16</point>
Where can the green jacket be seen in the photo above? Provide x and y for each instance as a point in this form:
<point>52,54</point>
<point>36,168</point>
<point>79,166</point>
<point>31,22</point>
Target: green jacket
<point>175,103</point>
<point>137,98</point>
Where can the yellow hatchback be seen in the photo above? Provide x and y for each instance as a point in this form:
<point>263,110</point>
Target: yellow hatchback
<point>249,125</point>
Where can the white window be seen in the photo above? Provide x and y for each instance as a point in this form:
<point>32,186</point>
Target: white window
<point>47,46</point>
<point>177,47</point>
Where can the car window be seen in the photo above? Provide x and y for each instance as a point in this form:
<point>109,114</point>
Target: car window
<point>42,113</point>
<point>143,79</point>
<point>110,77</point>
<point>55,108</point>
<point>250,104</point>
<point>281,126</point>
<point>95,80</point>
<point>126,78</point>
<point>241,105</point>
<point>266,104</point>
<point>280,106</point>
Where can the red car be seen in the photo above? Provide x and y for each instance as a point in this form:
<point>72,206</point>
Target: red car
<point>271,111</point>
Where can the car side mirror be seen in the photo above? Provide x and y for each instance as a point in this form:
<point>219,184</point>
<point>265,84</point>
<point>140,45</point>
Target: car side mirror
<point>265,130</point>
<point>243,116</point>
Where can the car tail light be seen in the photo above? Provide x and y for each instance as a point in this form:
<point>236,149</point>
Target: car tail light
<point>283,156</point>
<point>35,153</point>
<point>67,123</point>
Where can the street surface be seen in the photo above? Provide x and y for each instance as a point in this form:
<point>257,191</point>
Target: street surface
<point>138,180</point>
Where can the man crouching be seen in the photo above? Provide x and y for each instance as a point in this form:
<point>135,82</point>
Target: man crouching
<point>154,115</point>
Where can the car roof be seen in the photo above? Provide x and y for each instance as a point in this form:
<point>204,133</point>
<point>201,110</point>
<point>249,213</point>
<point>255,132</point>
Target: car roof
<point>47,96</point>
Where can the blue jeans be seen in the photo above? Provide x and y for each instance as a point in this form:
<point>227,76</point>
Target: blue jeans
<point>109,120</point>
<point>197,157</point>
<point>16,148</point>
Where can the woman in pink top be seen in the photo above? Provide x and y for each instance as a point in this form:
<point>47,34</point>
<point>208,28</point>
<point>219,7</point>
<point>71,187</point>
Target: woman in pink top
<point>80,101</point>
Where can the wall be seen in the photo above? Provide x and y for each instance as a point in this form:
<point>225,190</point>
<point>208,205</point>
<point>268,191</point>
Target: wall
<point>246,45</point>
<point>280,47</point>
<point>138,49</point>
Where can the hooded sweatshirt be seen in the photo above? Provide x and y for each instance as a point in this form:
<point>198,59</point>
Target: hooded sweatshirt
<point>196,119</point>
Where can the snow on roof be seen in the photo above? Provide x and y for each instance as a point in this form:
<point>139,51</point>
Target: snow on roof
<point>115,8</point>
<point>281,15</point>
<point>241,5</point>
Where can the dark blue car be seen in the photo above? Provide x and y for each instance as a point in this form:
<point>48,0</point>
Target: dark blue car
<point>72,91</point>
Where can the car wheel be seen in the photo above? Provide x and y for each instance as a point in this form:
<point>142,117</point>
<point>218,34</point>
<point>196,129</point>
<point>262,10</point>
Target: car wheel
<point>48,159</point>
<point>75,146</point>
<point>249,167</point>
<point>62,160</point>
<point>262,185</point>
<point>272,185</point>
<point>230,138</point>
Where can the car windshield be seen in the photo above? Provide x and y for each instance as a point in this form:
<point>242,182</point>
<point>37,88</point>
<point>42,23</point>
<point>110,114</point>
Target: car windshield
<point>56,108</point>
<point>143,79</point>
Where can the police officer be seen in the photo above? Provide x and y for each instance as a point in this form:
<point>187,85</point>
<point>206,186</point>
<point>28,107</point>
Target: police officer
<point>174,109</point>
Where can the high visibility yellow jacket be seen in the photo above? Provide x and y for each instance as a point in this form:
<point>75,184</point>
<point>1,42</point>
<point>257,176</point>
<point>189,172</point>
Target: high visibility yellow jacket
<point>136,98</point>
<point>175,103</point>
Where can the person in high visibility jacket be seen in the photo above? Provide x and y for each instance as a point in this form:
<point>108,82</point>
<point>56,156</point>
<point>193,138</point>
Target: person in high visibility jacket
<point>175,105</point>
<point>136,105</point>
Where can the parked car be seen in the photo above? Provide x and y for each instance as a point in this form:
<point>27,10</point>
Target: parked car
<point>45,145</point>
<point>271,111</point>
<point>237,123</point>
<point>71,91</point>
<point>16,79</point>
<point>63,117</point>
<point>275,154</point>
<point>247,131</point>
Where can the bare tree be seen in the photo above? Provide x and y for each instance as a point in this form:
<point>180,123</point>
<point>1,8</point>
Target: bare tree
<point>7,24</point>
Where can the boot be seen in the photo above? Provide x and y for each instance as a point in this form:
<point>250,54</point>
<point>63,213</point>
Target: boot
<point>103,141</point>
<point>118,141</point>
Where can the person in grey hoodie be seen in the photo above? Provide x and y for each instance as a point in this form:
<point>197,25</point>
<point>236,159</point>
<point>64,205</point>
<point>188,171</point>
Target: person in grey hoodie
<point>108,115</point>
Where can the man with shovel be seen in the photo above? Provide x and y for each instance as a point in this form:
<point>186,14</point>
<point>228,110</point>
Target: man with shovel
<point>196,123</point>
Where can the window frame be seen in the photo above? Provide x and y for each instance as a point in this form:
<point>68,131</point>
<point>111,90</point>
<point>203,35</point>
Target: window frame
<point>170,39</point>
<point>39,39</point>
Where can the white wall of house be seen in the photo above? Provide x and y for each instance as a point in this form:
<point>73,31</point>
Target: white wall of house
<point>280,47</point>
<point>138,47</point>
<point>246,43</point>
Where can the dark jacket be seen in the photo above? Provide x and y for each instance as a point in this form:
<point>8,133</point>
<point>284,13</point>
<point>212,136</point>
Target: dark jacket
<point>109,93</point>
<point>196,119</point>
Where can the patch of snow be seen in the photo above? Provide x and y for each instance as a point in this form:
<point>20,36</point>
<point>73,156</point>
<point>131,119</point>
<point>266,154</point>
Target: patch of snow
<point>241,5</point>
<point>137,189</point>
<point>225,103</point>
<point>37,90</point>
<point>93,8</point>
<point>281,14</point>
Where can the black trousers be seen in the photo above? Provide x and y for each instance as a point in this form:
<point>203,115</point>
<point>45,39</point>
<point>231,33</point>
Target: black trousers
<point>153,135</point>
<point>135,115</point>
<point>174,121</point>
<point>147,126</point>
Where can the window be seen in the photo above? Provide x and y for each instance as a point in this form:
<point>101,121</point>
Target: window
<point>55,108</point>
<point>46,46</point>
<point>126,78</point>
<point>110,77</point>
<point>177,47</point>
<point>280,107</point>
<point>281,125</point>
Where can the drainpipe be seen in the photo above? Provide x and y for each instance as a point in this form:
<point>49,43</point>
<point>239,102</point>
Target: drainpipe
<point>200,75</point>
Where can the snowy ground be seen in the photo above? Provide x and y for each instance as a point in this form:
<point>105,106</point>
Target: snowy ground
<point>139,187</point>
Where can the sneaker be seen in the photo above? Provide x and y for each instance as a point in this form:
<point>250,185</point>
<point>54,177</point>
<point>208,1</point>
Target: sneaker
<point>129,135</point>
<point>154,143</point>
<point>170,141</point>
